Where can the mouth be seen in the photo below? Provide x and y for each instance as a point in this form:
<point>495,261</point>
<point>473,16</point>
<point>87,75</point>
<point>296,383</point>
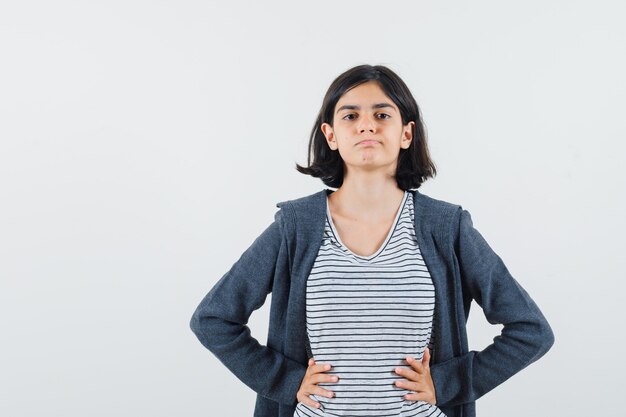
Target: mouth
<point>368,142</point>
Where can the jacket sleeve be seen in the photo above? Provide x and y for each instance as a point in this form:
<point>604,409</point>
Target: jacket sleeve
<point>220,321</point>
<point>525,336</point>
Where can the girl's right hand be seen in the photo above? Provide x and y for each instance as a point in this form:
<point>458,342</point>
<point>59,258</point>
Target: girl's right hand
<point>314,375</point>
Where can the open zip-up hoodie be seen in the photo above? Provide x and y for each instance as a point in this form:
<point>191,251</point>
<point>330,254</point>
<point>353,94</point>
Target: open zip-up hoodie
<point>463,268</point>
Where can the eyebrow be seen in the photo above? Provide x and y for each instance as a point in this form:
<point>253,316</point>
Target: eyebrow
<point>355,107</point>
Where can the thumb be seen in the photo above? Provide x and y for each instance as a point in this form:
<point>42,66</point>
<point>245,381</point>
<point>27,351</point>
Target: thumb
<point>426,358</point>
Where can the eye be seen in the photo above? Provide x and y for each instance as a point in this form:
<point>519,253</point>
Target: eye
<point>379,114</point>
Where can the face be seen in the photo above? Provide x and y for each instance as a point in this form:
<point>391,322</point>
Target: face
<point>367,130</point>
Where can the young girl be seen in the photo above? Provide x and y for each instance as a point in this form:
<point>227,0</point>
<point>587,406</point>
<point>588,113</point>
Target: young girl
<point>372,283</point>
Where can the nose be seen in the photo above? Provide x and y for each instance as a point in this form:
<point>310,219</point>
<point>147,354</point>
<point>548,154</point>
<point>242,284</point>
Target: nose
<point>367,123</point>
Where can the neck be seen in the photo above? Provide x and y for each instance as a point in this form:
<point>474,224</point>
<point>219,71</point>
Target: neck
<point>367,197</point>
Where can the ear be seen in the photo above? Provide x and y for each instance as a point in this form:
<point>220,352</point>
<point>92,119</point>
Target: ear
<point>407,135</point>
<point>328,132</point>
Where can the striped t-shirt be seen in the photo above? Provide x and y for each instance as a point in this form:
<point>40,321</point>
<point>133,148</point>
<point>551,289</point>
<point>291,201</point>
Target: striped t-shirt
<point>364,315</point>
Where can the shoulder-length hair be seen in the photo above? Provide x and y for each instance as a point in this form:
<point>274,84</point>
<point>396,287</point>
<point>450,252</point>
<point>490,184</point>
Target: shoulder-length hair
<point>414,164</point>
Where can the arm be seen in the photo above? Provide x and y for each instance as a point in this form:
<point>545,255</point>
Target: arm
<point>525,337</point>
<point>220,320</point>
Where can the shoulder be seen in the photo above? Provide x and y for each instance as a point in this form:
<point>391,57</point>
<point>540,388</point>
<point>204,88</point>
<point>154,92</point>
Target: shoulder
<point>436,210</point>
<point>303,210</point>
<point>447,220</point>
<point>307,200</point>
<point>306,204</point>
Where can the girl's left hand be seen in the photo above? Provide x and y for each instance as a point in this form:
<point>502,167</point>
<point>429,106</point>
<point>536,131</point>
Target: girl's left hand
<point>418,380</point>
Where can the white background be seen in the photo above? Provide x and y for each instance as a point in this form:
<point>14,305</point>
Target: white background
<point>144,145</point>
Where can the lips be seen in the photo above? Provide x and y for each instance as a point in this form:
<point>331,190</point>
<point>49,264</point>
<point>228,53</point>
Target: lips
<point>368,142</point>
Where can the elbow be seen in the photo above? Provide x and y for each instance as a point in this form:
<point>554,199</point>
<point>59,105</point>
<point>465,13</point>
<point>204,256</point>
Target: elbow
<point>200,326</point>
<point>194,324</point>
<point>215,334</point>
<point>544,340</point>
<point>547,338</point>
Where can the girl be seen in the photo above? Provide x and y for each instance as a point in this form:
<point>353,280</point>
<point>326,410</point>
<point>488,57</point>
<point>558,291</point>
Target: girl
<point>372,283</point>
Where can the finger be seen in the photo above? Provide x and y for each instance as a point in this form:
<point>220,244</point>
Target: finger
<point>317,390</point>
<point>306,400</point>
<point>322,377</point>
<point>418,396</point>
<point>320,367</point>
<point>415,364</point>
<point>408,385</point>
<point>407,373</point>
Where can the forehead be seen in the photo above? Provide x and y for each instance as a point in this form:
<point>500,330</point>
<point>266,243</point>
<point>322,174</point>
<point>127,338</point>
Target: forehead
<point>368,91</point>
<point>368,95</point>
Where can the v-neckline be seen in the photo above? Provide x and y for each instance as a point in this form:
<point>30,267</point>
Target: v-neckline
<point>382,246</point>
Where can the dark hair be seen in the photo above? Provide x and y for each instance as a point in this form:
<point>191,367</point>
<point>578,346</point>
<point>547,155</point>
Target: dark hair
<point>414,163</point>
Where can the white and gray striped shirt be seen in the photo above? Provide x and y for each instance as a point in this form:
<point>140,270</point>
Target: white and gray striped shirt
<point>364,315</point>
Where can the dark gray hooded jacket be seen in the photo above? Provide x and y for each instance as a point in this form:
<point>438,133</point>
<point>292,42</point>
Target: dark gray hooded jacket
<point>463,268</point>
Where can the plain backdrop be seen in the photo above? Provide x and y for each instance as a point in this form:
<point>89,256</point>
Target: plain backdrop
<point>145,144</point>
